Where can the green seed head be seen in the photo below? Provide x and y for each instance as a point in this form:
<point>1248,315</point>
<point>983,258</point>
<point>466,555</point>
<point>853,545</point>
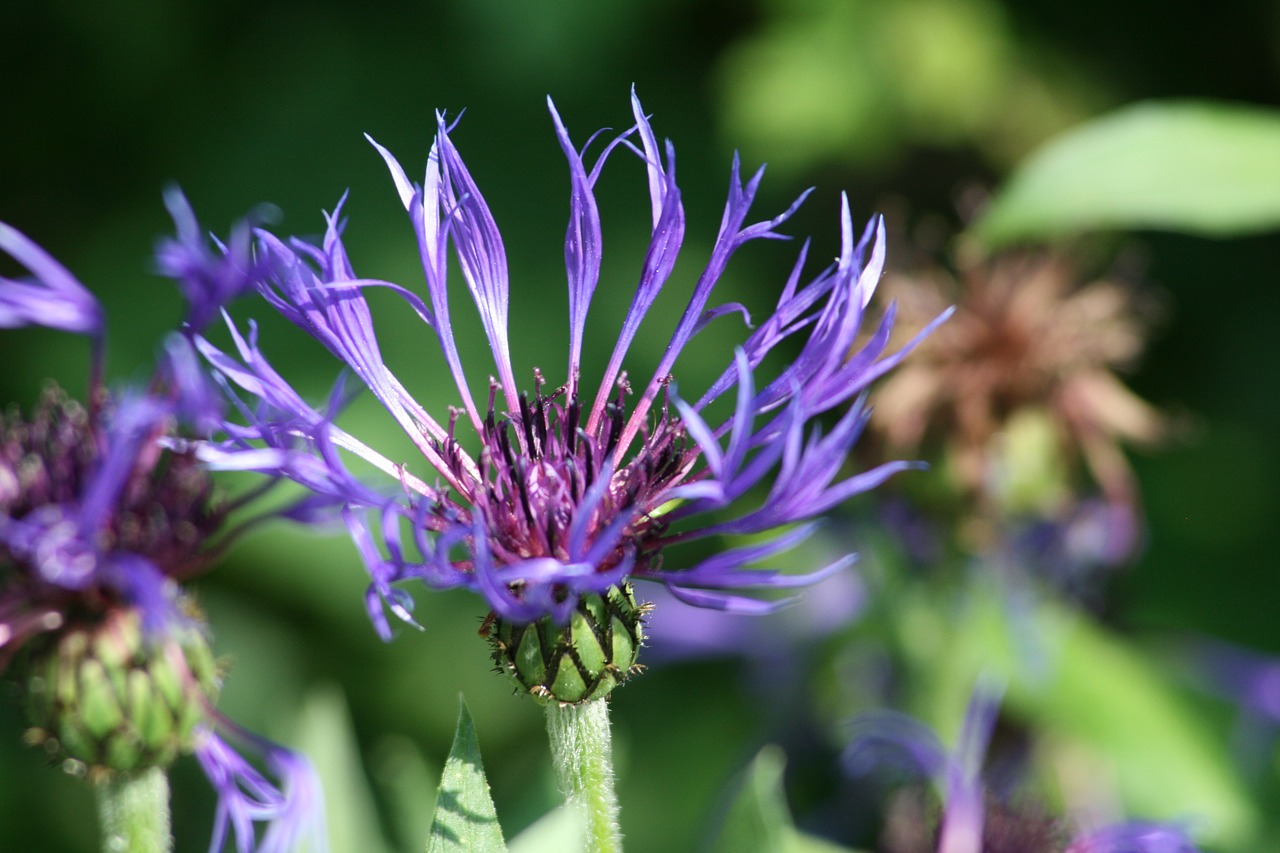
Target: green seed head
<point>576,662</point>
<point>105,698</point>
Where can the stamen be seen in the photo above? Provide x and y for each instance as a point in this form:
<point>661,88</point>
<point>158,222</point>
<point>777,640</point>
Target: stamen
<point>540,423</point>
<point>614,427</point>
<point>526,422</point>
<point>504,444</point>
<point>571,426</point>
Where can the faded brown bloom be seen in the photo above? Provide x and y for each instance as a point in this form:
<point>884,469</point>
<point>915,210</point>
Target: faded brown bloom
<point>1027,345</point>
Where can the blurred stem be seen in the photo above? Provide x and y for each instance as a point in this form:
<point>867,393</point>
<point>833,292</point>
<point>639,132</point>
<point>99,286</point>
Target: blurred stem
<point>133,810</point>
<point>581,747</point>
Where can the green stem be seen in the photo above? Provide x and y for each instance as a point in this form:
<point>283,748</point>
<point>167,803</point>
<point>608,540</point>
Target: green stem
<point>133,810</point>
<point>581,749</point>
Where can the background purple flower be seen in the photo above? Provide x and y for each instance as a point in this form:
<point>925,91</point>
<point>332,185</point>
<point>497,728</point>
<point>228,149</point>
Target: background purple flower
<point>104,508</point>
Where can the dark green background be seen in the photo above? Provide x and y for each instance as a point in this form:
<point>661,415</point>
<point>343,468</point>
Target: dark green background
<point>247,103</point>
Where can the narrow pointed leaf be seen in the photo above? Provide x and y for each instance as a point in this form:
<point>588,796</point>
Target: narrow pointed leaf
<point>758,820</point>
<point>328,738</point>
<point>465,819</point>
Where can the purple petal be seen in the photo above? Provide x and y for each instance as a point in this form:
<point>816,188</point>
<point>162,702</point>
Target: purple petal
<point>55,299</point>
<point>208,277</point>
<point>581,246</point>
<point>480,253</point>
<point>292,807</point>
<point>1135,837</point>
<point>660,258</point>
<point>733,235</point>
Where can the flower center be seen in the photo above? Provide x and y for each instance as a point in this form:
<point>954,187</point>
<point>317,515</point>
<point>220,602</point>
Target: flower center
<point>550,487</point>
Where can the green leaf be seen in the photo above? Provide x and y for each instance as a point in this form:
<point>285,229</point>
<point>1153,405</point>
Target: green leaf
<point>1095,701</point>
<point>759,820</point>
<point>327,737</point>
<point>800,842</point>
<point>465,819</point>
<point>406,784</point>
<point>555,832</point>
<point>1200,167</point>
<point>1167,760</point>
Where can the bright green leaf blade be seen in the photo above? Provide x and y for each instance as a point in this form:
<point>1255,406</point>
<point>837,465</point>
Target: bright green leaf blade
<point>1167,761</point>
<point>800,842</point>
<point>465,819</point>
<point>1095,701</point>
<point>1200,167</point>
<point>327,737</point>
<point>557,831</point>
<point>406,783</point>
<point>758,821</point>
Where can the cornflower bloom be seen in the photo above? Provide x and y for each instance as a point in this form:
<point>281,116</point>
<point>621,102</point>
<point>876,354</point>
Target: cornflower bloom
<point>973,820</point>
<point>103,510</point>
<point>571,494</point>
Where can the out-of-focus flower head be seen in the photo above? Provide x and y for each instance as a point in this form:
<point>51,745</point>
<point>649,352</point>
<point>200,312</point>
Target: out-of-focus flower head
<point>1020,386</point>
<point>973,819</point>
<point>104,509</point>
<point>565,494</point>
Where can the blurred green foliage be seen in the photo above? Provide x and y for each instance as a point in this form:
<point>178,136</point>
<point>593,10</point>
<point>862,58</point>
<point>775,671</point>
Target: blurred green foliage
<point>1203,168</point>
<point>905,104</point>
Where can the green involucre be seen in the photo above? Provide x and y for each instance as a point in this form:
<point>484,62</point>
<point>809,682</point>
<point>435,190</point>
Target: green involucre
<point>581,660</point>
<point>105,695</point>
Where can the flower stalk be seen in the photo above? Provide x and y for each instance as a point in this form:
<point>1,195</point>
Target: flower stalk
<point>582,751</point>
<point>133,811</point>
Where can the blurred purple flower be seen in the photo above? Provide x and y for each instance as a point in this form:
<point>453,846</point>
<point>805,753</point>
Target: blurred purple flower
<point>570,493</point>
<point>52,298</point>
<point>906,743</point>
<point>1136,837</point>
<point>105,508</point>
<point>1248,678</point>
<point>292,809</point>
<point>912,745</point>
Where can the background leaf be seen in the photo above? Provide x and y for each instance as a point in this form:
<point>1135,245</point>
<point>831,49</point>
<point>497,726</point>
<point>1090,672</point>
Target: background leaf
<point>465,820</point>
<point>759,820</point>
<point>555,832</point>
<point>1097,703</point>
<point>1199,167</point>
<point>328,739</point>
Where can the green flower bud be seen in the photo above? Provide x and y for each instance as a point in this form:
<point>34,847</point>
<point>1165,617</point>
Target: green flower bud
<point>104,696</point>
<point>578,661</point>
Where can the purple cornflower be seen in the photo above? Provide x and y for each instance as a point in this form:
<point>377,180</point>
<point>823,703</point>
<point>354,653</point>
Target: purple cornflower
<point>973,821</point>
<point>103,510</point>
<point>571,492</point>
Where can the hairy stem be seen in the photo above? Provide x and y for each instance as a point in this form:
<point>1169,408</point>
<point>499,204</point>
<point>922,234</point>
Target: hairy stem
<point>582,751</point>
<point>133,810</point>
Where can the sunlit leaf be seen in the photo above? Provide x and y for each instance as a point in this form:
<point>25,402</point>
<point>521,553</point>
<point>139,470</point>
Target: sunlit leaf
<point>465,819</point>
<point>1199,167</point>
<point>555,832</point>
<point>759,821</point>
<point>1101,709</point>
<point>406,783</point>
<point>328,739</point>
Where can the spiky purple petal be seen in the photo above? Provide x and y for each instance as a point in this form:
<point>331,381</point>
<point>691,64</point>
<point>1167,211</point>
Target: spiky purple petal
<point>54,298</point>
